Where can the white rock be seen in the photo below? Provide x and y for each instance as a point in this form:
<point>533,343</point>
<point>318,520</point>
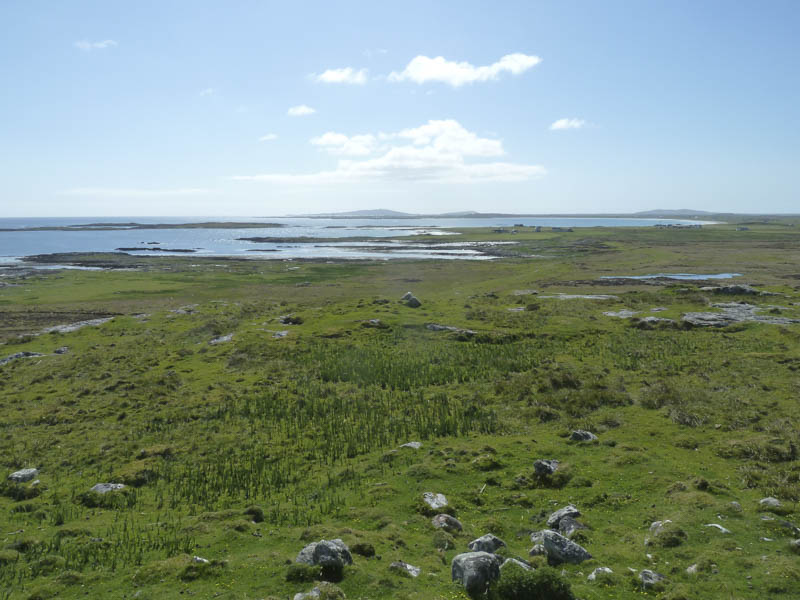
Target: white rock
<point>23,475</point>
<point>599,571</point>
<point>717,526</point>
<point>434,500</point>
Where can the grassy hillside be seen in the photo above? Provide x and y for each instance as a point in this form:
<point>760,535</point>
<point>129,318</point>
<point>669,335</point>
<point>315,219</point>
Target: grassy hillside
<point>243,451</point>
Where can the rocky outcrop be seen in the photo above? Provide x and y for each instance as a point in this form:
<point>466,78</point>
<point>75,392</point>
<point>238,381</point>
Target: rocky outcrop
<point>650,578</point>
<point>19,355</point>
<point>104,488</point>
<point>434,500</point>
<point>734,312</point>
<point>326,553</point>
<point>476,570</point>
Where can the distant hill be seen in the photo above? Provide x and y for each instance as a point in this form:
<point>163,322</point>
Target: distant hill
<point>665,212</point>
<point>379,212</point>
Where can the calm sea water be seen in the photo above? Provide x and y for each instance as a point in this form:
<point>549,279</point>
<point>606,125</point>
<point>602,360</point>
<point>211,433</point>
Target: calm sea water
<point>394,238</point>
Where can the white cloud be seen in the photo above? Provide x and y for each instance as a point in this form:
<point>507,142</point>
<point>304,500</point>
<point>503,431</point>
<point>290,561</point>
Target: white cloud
<point>300,111</point>
<point>342,145</point>
<point>133,192</point>
<point>437,151</point>
<point>562,124</point>
<point>343,75</point>
<point>423,69</point>
<point>208,92</point>
<point>268,138</point>
<point>87,45</point>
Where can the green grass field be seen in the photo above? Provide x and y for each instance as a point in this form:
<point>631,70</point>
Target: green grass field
<point>242,452</point>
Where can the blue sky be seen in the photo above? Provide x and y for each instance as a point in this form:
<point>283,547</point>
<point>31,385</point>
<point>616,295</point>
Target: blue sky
<point>183,107</point>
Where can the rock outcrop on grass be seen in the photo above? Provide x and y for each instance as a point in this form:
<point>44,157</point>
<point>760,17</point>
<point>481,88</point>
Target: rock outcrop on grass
<point>560,549</point>
<point>486,543</point>
<point>326,553</point>
<point>545,466</point>
<point>23,475</point>
<point>104,488</point>
<point>579,435</point>
<point>447,522</point>
<point>476,570</point>
<point>555,518</point>
<point>404,569</point>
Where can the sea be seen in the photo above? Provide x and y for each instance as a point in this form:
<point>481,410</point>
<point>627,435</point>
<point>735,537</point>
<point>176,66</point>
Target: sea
<point>389,238</point>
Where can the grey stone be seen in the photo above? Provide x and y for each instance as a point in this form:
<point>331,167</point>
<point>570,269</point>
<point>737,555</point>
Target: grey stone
<point>769,502</point>
<point>407,296</point>
<point>537,550</point>
<point>23,475</point>
<point>579,435</point>
<point>621,314</point>
<point>562,550</point>
<point>405,569</point>
<point>413,302</point>
<point>567,526</point>
<point>735,506</point>
<point>657,527</point>
<point>486,543</point>
<point>545,466</point>
<point>650,578</point>
<point>437,327</point>
<point>325,553</point>
<point>221,339</point>
<point>447,522</point>
<point>568,511</point>
<point>515,561</point>
<point>599,571</point>
<point>434,500</point>
<point>19,355</point>
<point>412,445</point>
<point>717,526</point>
<point>476,570</point>
<point>62,350</point>
<point>75,326</point>
<point>104,488</point>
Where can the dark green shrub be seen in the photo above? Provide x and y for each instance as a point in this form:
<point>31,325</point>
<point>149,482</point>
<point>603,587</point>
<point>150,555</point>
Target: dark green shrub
<point>544,583</point>
<point>256,513</point>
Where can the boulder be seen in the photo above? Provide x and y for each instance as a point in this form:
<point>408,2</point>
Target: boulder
<point>568,511</point>
<point>769,503</point>
<point>545,466</point>
<point>434,500</point>
<point>567,526</point>
<point>221,339</point>
<point>413,302</point>
<point>104,488</point>
<point>326,553</point>
<point>447,522</point>
<point>23,475</point>
<point>515,561</point>
<point>579,435</point>
<point>476,570</point>
<point>650,578</point>
<point>486,543</point>
<point>599,571</point>
<point>560,549</point>
<point>404,569</point>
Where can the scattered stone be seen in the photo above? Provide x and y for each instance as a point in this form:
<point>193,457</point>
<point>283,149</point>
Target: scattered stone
<point>545,466</point>
<point>692,569</point>
<point>516,309</point>
<point>599,571</point>
<point>769,503</point>
<point>567,526</point>
<point>650,578</point>
<point>407,296</point>
<point>413,302</point>
<point>447,522</point>
<point>23,475</point>
<point>794,546</point>
<point>583,297</point>
<point>433,500</point>
<point>568,511</point>
<point>657,527</point>
<point>405,569</point>
<point>476,570</point>
<point>486,543</point>
<point>515,561</point>
<point>579,435</point>
<point>560,549</point>
<point>19,355</point>
<point>201,560</point>
<point>221,339</point>
<point>412,445</point>
<point>437,327</point>
<point>280,334</point>
<point>733,312</point>
<point>62,350</point>
<point>717,526</point>
<point>622,314</point>
<point>537,550</point>
<point>104,488</point>
<point>75,326</point>
<point>325,553</point>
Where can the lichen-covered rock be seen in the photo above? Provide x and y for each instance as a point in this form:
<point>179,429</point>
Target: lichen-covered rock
<point>404,569</point>
<point>23,475</point>
<point>568,511</point>
<point>447,522</point>
<point>326,553</point>
<point>560,549</point>
<point>545,466</point>
<point>650,578</point>
<point>486,543</point>
<point>434,500</point>
<point>579,435</point>
<point>476,570</point>
<point>104,488</point>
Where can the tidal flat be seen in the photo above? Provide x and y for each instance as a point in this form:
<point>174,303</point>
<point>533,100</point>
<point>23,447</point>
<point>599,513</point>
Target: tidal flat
<point>248,408</point>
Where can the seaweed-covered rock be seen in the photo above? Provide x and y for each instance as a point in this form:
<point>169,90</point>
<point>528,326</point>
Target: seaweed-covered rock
<point>476,570</point>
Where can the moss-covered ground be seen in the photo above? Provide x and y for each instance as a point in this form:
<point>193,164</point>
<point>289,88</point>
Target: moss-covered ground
<point>241,452</point>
